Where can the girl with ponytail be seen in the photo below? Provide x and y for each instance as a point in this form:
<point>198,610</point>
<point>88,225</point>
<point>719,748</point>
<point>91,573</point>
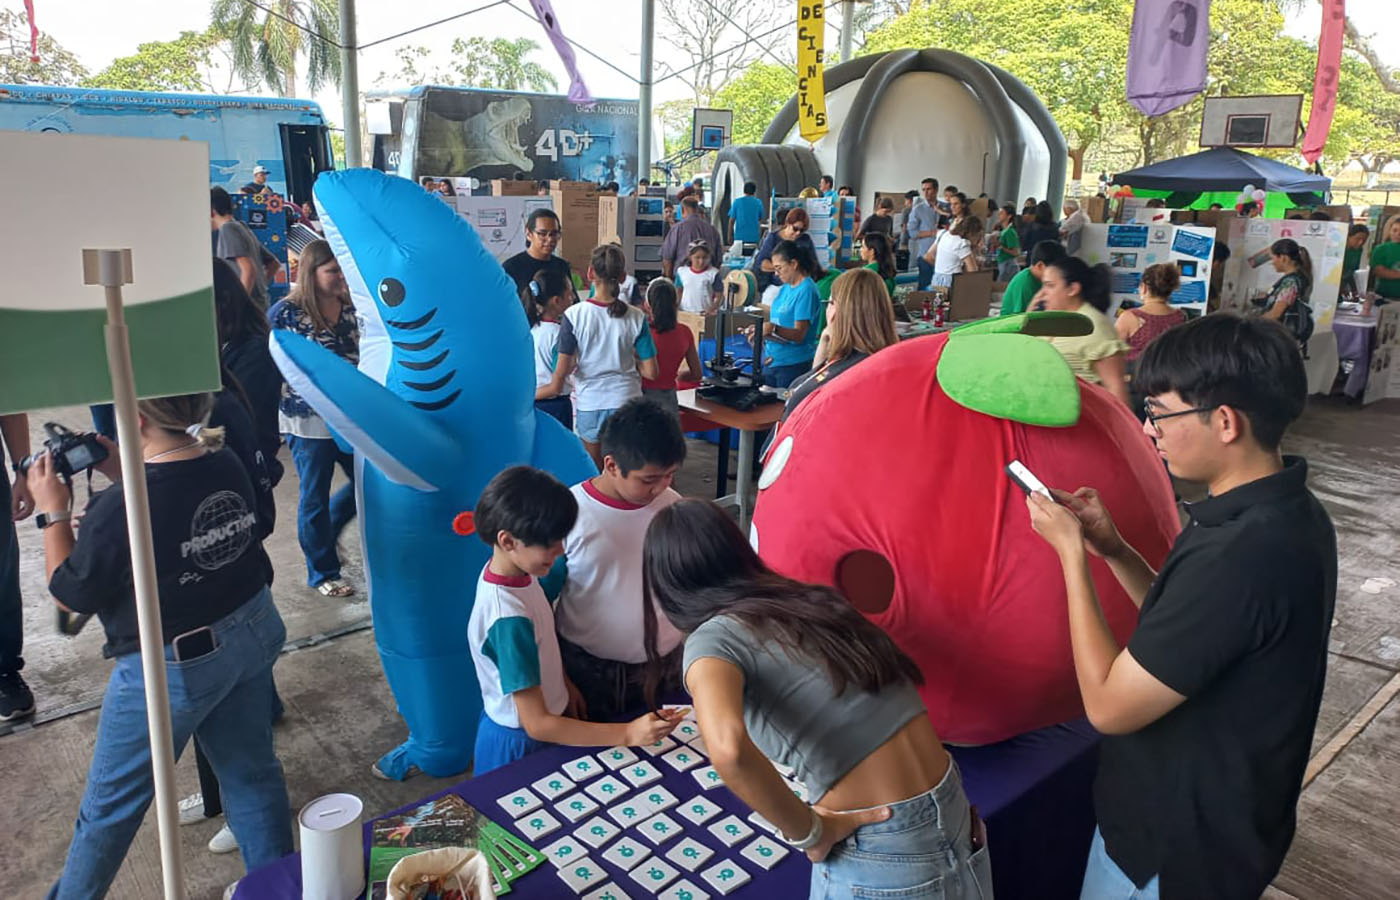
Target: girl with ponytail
<point>1072,285</point>
<point>1288,300</point>
<point>606,344</point>
<point>545,298</point>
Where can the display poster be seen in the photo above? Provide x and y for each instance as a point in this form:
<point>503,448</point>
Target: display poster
<point>500,221</point>
<point>1249,273</point>
<point>1129,249</point>
<point>1384,380</point>
<point>148,196</point>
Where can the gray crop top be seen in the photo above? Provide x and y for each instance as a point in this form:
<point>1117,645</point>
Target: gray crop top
<point>792,710</point>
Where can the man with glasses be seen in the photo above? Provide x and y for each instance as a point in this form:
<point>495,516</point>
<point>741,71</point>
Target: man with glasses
<point>541,240</point>
<point>1210,709</point>
<point>675,249</point>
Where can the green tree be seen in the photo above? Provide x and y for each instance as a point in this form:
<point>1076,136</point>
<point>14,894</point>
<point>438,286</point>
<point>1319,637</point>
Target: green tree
<point>184,64</point>
<point>55,65</point>
<point>267,45</point>
<point>756,96</point>
<point>499,63</point>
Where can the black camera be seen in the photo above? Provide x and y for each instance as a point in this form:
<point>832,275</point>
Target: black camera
<point>72,452</point>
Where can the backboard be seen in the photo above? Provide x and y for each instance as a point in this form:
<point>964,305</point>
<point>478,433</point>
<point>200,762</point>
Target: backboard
<point>1262,120</point>
<point>710,128</point>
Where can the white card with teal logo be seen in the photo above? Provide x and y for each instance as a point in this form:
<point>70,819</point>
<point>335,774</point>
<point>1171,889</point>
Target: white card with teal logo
<point>726,876</point>
<point>582,874</point>
<point>607,789</point>
<point>596,832</point>
<point>698,745</point>
<point>659,746</point>
<point>683,890</point>
<point>565,851</point>
<point>682,759</point>
<point>698,810</point>
<point>607,892</point>
<point>626,853</point>
<point>583,768</point>
<point>617,757</point>
<point>537,824</point>
<point>764,852</point>
<point>631,812</point>
<point>687,730</point>
<point>708,777</point>
<point>689,854</point>
<point>658,798</point>
<point>660,828</point>
<point>730,830</point>
<point>641,774</point>
<point>653,875</point>
<point>763,823</point>
<point>520,803</point>
<point>575,806</point>
<point>551,786</point>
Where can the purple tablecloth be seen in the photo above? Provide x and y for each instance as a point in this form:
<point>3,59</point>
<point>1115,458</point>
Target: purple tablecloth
<point>1356,335</point>
<point>1034,791</point>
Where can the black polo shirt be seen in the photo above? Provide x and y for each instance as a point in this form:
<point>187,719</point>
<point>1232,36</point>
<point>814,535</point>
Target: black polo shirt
<point>1238,622</point>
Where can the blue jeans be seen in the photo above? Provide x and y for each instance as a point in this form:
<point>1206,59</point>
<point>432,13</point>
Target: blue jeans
<point>321,517</point>
<point>225,698</point>
<point>11,607</point>
<point>923,850</point>
<point>499,745</point>
<point>561,408</point>
<point>925,274</point>
<point>1103,880</point>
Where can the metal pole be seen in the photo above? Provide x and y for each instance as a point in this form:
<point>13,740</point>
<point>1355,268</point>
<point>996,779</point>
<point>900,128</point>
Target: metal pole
<point>350,85</point>
<point>644,91</point>
<point>112,269</point>
<point>848,14</point>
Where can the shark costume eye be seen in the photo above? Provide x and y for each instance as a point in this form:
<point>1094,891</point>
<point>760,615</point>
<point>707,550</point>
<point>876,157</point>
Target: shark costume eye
<point>391,291</point>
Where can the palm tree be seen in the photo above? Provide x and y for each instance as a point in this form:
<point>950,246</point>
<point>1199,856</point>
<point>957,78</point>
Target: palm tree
<point>266,45</point>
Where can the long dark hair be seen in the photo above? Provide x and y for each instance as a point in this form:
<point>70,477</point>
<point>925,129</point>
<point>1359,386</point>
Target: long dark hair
<point>238,317</point>
<point>661,297</point>
<point>804,255</point>
<point>1301,259</point>
<point>610,267</point>
<point>1093,281</point>
<point>1044,214</point>
<point>696,565</point>
<point>538,291</point>
<point>879,244</point>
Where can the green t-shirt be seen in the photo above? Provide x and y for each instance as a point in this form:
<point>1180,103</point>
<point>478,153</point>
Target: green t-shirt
<point>1388,255</point>
<point>1351,261</point>
<point>889,282</point>
<point>1009,244</point>
<point>1020,290</point>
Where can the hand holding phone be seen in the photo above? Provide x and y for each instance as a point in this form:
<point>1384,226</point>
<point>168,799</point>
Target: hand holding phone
<point>1026,480</point>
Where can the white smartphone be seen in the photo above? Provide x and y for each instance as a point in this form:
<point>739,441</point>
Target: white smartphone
<point>1026,480</point>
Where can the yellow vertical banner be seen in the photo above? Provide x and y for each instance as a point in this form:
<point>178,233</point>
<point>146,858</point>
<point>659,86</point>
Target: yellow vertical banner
<point>811,85</point>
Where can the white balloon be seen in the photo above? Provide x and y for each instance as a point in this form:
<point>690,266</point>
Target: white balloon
<point>1248,189</point>
<point>1260,196</point>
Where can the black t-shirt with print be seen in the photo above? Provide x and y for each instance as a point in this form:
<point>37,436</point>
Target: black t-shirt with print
<point>209,561</point>
<point>1238,622</point>
<point>522,267</point>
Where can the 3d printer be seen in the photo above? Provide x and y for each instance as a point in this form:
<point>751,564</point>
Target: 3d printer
<point>727,383</point>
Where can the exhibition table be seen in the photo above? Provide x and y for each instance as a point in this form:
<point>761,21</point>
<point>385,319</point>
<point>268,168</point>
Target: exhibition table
<point>1033,791</point>
<point>747,423</point>
<point>1356,337</point>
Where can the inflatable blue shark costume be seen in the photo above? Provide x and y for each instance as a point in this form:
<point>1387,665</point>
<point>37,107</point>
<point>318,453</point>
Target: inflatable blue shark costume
<point>443,400</point>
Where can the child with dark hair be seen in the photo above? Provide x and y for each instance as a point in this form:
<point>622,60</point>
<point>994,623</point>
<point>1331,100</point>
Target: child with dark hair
<point>606,345</point>
<point>675,344</point>
<point>1357,235</point>
<point>598,580</point>
<point>1024,286</point>
<point>523,515</point>
<point>545,298</point>
<point>1224,671</point>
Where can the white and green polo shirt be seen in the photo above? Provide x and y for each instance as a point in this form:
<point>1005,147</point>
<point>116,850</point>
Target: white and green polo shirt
<point>514,646</point>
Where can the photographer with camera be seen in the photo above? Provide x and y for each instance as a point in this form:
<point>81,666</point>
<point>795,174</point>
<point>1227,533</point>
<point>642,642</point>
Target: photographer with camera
<point>220,628</point>
<point>16,700</point>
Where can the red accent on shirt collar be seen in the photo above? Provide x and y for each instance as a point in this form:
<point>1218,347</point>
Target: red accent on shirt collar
<point>600,303</point>
<point>518,581</point>
<point>591,490</point>
<point>550,321</point>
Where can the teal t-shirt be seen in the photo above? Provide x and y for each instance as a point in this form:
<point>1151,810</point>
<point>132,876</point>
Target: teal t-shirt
<point>746,212</point>
<point>1020,291</point>
<point>1388,255</point>
<point>794,303</point>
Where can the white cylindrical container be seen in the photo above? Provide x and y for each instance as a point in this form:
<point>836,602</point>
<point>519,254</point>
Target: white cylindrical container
<point>332,848</point>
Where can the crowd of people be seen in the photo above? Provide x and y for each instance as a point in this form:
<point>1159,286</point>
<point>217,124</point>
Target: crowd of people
<point>603,597</point>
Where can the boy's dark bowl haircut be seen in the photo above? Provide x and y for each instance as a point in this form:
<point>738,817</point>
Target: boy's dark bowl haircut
<point>642,433</point>
<point>529,503</point>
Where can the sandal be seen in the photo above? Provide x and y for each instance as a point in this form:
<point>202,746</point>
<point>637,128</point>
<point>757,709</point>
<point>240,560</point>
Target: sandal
<point>335,587</point>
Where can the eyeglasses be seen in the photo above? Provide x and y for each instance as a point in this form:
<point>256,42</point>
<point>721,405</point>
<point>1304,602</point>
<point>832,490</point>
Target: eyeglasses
<point>1157,418</point>
<point>547,234</point>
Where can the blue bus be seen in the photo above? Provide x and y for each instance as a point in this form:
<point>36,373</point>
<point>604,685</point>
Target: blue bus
<point>288,137</point>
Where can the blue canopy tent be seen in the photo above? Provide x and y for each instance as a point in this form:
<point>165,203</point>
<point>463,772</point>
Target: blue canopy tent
<point>1224,170</point>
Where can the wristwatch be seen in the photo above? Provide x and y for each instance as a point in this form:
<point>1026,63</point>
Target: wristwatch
<point>44,520</point>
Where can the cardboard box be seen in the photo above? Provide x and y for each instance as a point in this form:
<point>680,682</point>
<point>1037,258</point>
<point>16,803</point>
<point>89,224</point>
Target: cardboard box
<point>698,324</point>
<point>578,224</point>
<point>509,187</point>
<point>1096,208</point>
<point>580,187</point>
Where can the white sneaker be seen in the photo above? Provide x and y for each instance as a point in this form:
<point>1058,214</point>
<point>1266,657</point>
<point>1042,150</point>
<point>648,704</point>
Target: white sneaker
<point>223,842</point>
<point>192,809</point>
<point>228,891</point>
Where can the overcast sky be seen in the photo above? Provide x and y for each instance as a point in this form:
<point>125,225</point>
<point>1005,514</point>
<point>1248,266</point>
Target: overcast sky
<point>99,32</point>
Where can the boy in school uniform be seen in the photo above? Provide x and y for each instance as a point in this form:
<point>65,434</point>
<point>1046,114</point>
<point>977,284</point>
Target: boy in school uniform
<point>524,514</point>
<point>598,580</point>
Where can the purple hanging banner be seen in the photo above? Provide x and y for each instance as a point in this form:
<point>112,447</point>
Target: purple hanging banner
<point>1167,54</point>
<point>544,11</point>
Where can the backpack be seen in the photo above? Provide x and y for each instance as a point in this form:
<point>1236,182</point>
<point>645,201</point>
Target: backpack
<point>1298,319</point>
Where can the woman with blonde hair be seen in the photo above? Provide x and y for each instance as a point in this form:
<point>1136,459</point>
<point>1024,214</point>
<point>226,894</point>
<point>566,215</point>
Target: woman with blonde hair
<point>319,308</point>
<point>859,322</point>
<point>220,630</point>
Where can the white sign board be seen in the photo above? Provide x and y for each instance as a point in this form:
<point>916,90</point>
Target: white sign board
<point>1249,273</point>
<point>70,192</point>
<point>1384,380</point>
<point>1129,249</point>
<point>500,221</point>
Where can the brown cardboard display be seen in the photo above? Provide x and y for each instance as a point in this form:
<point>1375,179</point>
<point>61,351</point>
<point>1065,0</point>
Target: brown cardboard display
<point>697,324</point>
<point>580,187</point>
<point>509,187</point>
<point>1096,208</point>
<point>578,225</point>
<point>609,219</point>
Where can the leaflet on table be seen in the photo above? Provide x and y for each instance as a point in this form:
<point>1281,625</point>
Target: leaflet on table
<point>1129,249</point>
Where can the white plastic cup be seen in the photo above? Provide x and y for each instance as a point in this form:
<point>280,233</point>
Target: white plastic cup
<point>332,848</point>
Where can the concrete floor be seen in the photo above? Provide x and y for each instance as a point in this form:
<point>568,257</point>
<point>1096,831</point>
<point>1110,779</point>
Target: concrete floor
<point>341,715</point>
